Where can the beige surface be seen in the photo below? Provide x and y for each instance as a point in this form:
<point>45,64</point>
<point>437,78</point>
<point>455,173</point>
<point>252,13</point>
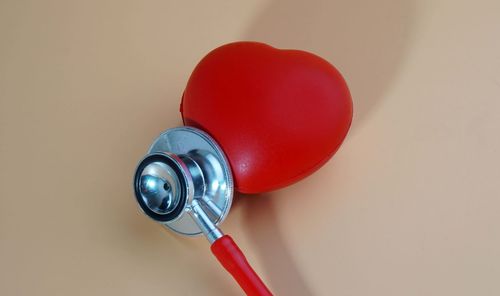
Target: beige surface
<point>409,206</point>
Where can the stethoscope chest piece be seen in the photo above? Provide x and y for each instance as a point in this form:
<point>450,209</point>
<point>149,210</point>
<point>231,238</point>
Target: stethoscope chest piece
<point>185,182</point>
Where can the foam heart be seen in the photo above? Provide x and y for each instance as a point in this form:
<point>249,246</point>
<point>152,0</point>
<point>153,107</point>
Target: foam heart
<point>278,114</point>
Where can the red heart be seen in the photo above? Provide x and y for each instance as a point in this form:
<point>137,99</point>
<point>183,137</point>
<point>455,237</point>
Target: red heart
<point>278,114</point>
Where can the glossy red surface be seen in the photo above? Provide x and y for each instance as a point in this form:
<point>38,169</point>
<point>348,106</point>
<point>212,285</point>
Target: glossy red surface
<point>277,114</point>
<point>233,260</point>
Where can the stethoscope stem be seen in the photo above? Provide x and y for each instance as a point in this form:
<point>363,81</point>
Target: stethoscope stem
<point>228,253</point>
<point>211,232</point>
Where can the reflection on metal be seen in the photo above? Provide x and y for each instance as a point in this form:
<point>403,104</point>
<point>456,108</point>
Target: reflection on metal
<point>185,182</point>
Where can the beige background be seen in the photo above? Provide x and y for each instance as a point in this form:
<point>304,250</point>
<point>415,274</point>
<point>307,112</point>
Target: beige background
<point>409,206</point>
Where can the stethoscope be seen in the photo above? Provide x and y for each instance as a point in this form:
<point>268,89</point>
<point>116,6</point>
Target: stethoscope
<point>185,183</point>
<point>187,179</point>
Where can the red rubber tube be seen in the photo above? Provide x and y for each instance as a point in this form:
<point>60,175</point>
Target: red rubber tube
<point>233,260</point>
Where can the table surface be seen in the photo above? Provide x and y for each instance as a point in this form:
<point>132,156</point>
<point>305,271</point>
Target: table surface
<point>408,206</point>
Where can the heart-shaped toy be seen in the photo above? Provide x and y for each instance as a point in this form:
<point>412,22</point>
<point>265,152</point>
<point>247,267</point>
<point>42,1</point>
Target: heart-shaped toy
<point>278,114</point>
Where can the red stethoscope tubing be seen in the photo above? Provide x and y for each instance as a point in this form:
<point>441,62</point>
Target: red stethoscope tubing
<point>233,260</point>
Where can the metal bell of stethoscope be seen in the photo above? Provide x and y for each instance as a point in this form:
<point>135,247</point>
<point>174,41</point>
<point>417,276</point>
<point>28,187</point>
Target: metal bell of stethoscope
<point>185,183</point>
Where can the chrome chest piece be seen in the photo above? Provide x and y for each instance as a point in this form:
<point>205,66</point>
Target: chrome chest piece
<point>185,182</point>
